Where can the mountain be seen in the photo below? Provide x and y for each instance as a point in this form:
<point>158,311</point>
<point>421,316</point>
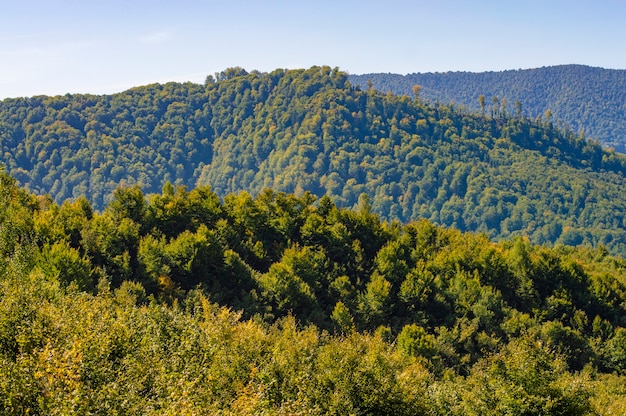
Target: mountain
<point>311,130</point>
<point>202,298</point>
<point>584,98</point>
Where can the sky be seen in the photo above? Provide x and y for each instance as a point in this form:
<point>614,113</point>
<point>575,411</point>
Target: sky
<point>55,47</point>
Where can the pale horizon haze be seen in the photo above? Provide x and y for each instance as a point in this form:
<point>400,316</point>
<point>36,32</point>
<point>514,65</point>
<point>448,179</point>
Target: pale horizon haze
<point>55,47</point>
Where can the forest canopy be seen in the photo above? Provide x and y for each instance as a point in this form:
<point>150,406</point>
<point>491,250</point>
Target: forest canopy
<point>180,302</point>
<point>295,131</point>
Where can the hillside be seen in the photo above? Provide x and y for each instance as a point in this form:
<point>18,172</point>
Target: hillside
<point>179,303</point>
<point>311,130</point>
<point>585,98</point>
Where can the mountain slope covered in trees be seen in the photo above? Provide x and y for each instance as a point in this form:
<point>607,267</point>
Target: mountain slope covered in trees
<point>585,98</point>
<point>180,303</point>
<point>311,130</point>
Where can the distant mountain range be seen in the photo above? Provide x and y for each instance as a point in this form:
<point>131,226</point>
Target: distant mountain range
<point>587,99</point>
<point>489,170</point>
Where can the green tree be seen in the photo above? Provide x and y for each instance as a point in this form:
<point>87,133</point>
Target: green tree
<point>481,102</point>
<point>414,341</point>
<point>615,351</point>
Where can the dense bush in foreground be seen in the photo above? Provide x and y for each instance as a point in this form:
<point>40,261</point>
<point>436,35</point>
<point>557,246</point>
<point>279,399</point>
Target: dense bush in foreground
<point>180,303</point>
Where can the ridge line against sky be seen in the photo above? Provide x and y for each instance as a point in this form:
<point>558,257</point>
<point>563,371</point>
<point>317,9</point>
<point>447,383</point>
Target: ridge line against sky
<point>51,47</point>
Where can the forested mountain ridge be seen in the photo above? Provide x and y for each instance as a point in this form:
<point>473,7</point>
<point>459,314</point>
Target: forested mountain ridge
<point>181,303</point>
<point>585,98</point>
<point>77,145</point>
<point>311,130</point>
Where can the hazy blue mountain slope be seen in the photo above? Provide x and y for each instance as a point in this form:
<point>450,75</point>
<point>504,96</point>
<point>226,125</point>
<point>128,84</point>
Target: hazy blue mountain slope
<point>587,99</point>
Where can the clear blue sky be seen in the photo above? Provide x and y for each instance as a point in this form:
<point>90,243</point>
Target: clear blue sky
<point>103,46</point>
